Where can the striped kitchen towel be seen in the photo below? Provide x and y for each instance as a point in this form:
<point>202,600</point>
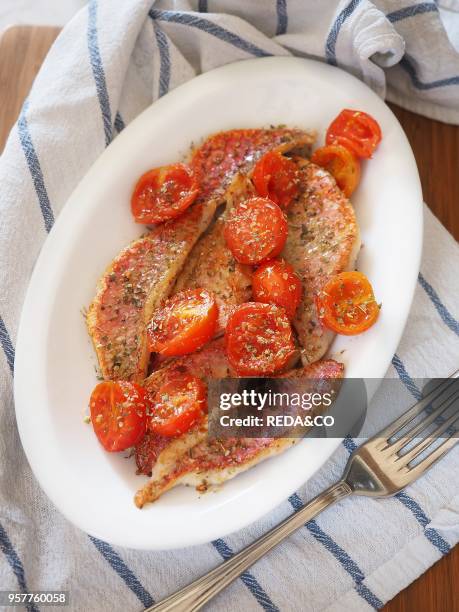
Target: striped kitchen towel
<point>110,63</point>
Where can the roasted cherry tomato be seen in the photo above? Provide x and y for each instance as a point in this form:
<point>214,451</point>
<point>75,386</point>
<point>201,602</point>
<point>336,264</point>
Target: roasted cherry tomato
<point>346,304</point>
<point>259,339</point>
<point>256,230</point>
<point>177,404</point>
<point>356,131</point>
<point>276,177</point>
<point>163,193</point>
<point>184,324</point>
<point>118,414</point>
<point>342,165</point>
<point>275,282</point>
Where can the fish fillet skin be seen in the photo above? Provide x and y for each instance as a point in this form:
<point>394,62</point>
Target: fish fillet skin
<point>212,462</point>
<point>323,240</point>
<point>206,465</point>
<point>224,154</point>
<point>137,281</point>
<point>209,362</point>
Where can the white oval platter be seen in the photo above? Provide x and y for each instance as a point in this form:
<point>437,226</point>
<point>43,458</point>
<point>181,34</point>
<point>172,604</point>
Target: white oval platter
<point>55,362</point>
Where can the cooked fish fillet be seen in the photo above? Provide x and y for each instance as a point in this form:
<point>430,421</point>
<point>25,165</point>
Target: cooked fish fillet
<point>324,369</point>
<point>157,454</point>
<point>212,462</point>
<point>323,240</point>
<point>136,283</point>
<point>209,362</point>
<point>224,154</point>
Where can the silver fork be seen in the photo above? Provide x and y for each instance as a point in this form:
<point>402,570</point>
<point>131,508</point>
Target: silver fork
<point>378,468</point>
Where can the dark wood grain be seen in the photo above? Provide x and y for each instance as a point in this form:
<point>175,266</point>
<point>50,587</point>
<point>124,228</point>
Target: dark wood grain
<point>436,148</point>
<point>435,591</point>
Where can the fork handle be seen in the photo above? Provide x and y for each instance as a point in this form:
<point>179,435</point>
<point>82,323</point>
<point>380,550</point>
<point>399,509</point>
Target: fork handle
<point>202,590</point>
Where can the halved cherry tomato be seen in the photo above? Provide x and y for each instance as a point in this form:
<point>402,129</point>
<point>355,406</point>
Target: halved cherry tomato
<point>256,230</point>
<point>259,339</point>
<point>118,414</point>
<point>342,165</point>
<point>276,282</point>
<point>163,193</point>
<point>355,130</point>
<point>177,405</point>
<point>185,323</point>
<point>276,177</point>
<point>346,304</point>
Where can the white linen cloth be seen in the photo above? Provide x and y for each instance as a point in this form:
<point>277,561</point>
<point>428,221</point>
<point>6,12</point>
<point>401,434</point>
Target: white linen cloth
<point>111,61</point>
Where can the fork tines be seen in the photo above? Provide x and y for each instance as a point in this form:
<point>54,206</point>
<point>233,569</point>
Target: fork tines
<point>406,448</point>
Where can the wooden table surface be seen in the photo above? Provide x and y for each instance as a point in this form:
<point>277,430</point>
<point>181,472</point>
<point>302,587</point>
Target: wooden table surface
<point>436,148</point>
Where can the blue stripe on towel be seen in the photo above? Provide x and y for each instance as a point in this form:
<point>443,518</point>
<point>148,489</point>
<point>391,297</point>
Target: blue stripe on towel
<point>444,313</point>
<point>349,444</point>
<point>348,564</point>
<point>15,564</point>
<point>409,68</point>
<point>282,17</point>
<point>247,578</point>
<point>7,345</point>
<point>431,534</point>
<point>412,11</point>
<point>202,6</point>
<point>35,168</point>
<point>164,59</point>
<point>119,123</point>
<point>98,71</point>
<point>405,377</point>
<point>330,45</point>
<point>210,28</point>
<point>123,571</point>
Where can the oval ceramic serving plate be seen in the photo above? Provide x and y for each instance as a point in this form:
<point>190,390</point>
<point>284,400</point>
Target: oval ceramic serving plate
<point>55,361</point>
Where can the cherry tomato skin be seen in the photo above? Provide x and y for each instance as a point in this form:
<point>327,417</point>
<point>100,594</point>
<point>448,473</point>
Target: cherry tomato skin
<point>259,339</point>
<point>255,231</point>
<point>276,282</point>
<point>275,177</point>
<point>177,405</point>
<point>163,193</point>
<point>118,414</point>
<point>184,324</point>
<point>342,165</point>
<point>346,304</point>
<point>355,130</point>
